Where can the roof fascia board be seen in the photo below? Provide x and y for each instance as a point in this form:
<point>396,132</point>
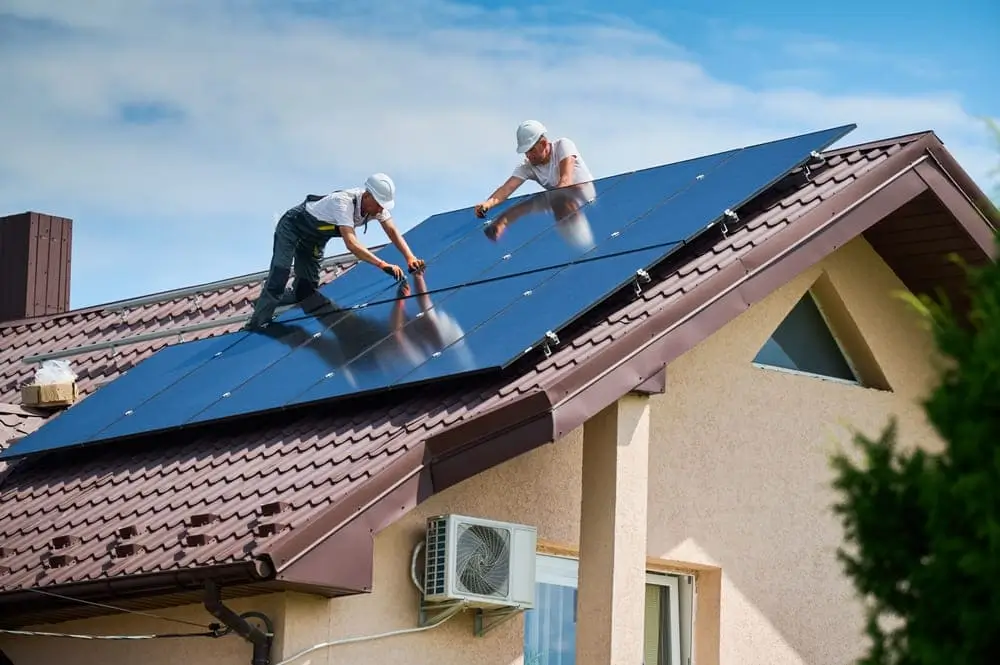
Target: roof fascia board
<point>974,221</point>
<point>510,431</point>
<point>963,182</point>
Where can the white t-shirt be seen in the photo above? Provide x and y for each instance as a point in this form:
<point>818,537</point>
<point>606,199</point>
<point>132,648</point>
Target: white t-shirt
<point>343,208</point>
<point>547,175</point>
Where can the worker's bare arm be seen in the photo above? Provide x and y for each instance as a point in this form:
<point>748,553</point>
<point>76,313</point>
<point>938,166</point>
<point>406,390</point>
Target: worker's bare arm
<point>501,194</point>
<point>396,238</point>
<point>357,248</point>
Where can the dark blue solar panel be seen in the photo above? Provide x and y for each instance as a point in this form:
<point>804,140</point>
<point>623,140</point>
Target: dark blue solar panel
<point>553,301</point>
<point>490,300</point>
<point>212,378</point>
<point>345,336</point>
<point>380,352</point>
<point>83,421</point>
<point>564,230</point>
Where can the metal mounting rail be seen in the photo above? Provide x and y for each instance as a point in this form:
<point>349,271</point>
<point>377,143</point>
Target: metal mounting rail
<point>134,339</point>
<point>165,296</point>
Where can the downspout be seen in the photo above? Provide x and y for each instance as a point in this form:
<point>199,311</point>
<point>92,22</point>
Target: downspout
<point>260,641</point>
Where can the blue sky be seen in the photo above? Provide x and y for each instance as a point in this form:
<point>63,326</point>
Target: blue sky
<point>174,134</point>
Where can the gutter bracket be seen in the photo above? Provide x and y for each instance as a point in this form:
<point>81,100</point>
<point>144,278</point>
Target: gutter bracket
<point>238,623</point>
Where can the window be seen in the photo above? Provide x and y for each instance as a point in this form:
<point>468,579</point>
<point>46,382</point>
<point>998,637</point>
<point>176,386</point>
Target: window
<point>805,344</point>
<point>550,628</point>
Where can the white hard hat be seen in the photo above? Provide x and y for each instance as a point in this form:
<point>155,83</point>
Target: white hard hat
<point>528,133</point>
<point>383,189</point>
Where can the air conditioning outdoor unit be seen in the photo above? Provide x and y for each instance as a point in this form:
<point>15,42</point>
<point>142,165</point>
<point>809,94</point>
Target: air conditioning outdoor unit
<point>480,563</point>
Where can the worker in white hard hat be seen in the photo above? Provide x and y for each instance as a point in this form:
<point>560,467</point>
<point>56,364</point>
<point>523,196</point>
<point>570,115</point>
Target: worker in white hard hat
<point>303,232</point>
<point>551,163</point>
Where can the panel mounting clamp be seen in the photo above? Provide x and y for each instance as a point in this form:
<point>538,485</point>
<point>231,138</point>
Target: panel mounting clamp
<point>551,339</point>
<point>641,277</point>
<point>728,214</point>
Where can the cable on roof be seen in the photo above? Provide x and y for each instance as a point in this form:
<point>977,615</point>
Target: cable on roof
<point>212,627</point>
<point>155,636</point>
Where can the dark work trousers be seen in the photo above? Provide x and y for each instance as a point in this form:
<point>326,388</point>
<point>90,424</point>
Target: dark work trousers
<point>296,239</point>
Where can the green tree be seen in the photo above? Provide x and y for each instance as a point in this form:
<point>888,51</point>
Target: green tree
<point>922,529</point>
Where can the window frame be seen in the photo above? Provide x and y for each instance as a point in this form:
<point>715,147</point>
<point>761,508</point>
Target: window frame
<point>564,570</point>
<point>675,618</point>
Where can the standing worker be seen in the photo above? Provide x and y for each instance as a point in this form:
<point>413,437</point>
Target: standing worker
<point>303,231</point>
<point>551,164</point>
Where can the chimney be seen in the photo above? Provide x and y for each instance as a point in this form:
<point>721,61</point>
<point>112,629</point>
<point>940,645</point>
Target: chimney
<point>34,265</point>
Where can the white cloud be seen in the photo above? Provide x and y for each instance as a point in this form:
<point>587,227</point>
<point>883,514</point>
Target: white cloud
<point>275,104</point>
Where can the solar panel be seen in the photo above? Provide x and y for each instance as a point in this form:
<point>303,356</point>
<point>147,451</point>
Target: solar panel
<point>82,422</point>
<point>482,303</point>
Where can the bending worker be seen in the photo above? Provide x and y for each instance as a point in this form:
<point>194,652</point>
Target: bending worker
<point>303,232</point>
<point>552,164</point>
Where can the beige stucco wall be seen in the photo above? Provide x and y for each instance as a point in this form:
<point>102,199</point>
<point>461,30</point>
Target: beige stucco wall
<point>738,478</point>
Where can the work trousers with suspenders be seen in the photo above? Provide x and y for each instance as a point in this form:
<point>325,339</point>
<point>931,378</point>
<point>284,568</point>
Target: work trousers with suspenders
<point>298,239</point>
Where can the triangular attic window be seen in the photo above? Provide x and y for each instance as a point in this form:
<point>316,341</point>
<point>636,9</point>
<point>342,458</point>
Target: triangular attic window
<point>804,343</point>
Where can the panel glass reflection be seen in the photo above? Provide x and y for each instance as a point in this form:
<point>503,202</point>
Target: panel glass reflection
<point>427,323</point>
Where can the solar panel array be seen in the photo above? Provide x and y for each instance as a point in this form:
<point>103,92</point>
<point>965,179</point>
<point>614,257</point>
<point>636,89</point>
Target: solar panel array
<point>490,293</point>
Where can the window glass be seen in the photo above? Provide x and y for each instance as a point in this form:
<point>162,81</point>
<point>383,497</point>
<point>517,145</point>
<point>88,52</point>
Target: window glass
<point>803,342</point>
<point>550,627</point>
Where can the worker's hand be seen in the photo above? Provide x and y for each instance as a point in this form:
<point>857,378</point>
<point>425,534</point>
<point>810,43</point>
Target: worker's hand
<point>482,208</point>
<point>393,271</point>
<point>415,265</point>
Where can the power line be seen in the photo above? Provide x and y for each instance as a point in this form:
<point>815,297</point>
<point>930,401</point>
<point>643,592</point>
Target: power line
<point>155,636</point>
<point>212,627</point>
